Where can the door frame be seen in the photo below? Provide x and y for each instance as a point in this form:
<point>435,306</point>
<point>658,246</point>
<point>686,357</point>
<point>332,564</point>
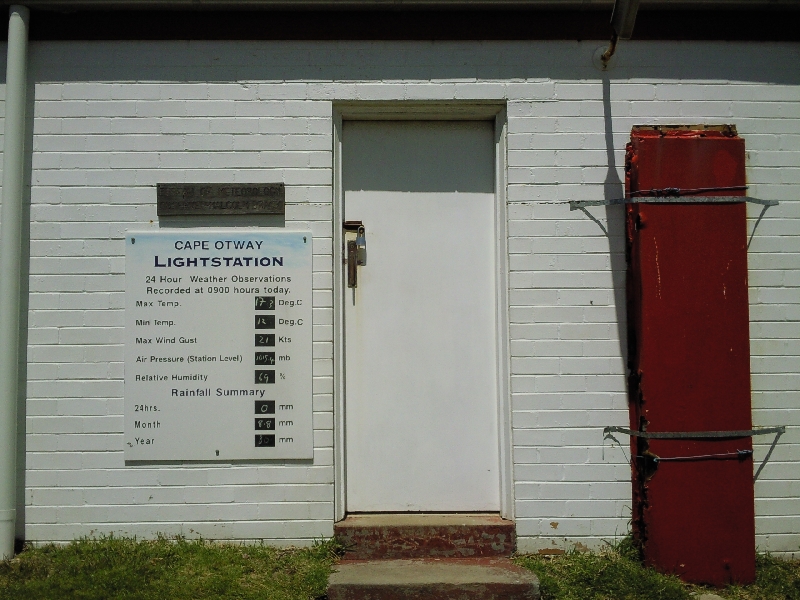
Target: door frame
<point>426,111</point>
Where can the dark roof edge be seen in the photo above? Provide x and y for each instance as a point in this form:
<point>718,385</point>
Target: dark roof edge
<point>427,25</point>
<point>60,5</point>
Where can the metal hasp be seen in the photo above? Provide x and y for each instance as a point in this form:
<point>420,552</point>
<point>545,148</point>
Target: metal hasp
<point>355,251</point>
<point>689,354</point>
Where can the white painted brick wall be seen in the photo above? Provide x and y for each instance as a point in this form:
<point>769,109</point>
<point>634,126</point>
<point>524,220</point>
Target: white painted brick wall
<point>113,119</point>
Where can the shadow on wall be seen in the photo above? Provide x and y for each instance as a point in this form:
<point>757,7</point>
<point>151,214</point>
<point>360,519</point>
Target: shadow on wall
<point>615,221</point>
<point>614,229</point>
<point>347,61</point>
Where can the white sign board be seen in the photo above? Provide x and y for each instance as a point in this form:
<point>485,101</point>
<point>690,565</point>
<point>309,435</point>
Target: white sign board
<point>218,345</point>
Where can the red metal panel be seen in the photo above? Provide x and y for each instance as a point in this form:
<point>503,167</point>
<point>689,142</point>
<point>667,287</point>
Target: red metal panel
<point>690,356</point>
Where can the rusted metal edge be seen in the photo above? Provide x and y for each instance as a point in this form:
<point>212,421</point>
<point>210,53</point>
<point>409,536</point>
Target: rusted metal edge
<point>727,130</point>
<point>580,204</point>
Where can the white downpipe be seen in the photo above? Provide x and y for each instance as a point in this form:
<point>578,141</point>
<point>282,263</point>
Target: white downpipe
<point>11,253</point>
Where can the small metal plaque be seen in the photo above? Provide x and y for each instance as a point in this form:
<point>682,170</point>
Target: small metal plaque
<point>179,199</point>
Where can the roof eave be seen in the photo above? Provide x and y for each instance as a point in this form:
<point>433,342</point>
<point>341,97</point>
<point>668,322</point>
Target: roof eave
<point>393,4</point>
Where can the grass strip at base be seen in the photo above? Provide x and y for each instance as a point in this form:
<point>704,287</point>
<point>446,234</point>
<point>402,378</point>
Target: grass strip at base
<point>616,573</point>
<point>776,579</point>
<point>174,569</point>
<point>124,568</point>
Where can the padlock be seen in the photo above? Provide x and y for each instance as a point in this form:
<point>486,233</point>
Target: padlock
<point>361,247</point>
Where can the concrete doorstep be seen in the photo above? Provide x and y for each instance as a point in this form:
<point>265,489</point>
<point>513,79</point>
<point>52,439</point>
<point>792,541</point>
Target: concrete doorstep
<point>427,557</point>
<point>432,578</point>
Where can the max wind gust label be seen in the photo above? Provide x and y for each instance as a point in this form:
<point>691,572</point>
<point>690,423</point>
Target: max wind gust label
<point>218,345</point>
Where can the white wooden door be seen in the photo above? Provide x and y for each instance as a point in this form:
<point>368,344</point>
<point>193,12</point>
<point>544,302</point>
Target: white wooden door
<point>421,402</point>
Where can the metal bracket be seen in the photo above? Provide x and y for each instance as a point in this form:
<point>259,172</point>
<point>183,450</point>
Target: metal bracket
<point>696,435</point>
<point>672,195</point>
<point>701,435</point>
<point>352,225</point>
<point>355,252</point>
<point>579,204</point>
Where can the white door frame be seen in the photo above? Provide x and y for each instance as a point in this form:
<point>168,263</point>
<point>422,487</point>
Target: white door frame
<point>425,111</point>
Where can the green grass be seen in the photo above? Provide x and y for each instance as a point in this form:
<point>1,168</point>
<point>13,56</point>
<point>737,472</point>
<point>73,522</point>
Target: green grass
<point>173,569</point>
<point>616,574</point>
<point>775,579</point>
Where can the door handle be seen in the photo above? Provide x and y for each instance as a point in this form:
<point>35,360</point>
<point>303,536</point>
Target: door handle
<point>352,264</point>
<point>356,251</point>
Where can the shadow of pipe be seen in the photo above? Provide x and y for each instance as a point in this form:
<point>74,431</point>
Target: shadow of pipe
<point>615,222</point>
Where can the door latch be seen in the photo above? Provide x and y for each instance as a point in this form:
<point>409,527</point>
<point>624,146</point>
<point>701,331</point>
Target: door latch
<point>352,264</point>
<point>356,251</point>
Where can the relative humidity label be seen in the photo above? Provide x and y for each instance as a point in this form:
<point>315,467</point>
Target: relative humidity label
<point>218,345</point>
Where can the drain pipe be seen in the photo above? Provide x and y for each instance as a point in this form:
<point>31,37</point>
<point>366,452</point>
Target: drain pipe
<point>623,19</point>
<point>10,267</point>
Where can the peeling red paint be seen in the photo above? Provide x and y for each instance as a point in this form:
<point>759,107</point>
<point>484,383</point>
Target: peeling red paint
<point>690,356</point>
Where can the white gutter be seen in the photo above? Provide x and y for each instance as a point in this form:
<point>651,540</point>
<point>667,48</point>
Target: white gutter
<point>10,267</point>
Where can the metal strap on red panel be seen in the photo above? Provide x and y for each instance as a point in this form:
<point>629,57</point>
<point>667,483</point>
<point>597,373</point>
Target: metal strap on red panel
<point>676,191</point>
<point>676,195</point>
<point>696,435</point>
<point>671,199</point>
<point>740,454</point>
<point>701,435</point>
